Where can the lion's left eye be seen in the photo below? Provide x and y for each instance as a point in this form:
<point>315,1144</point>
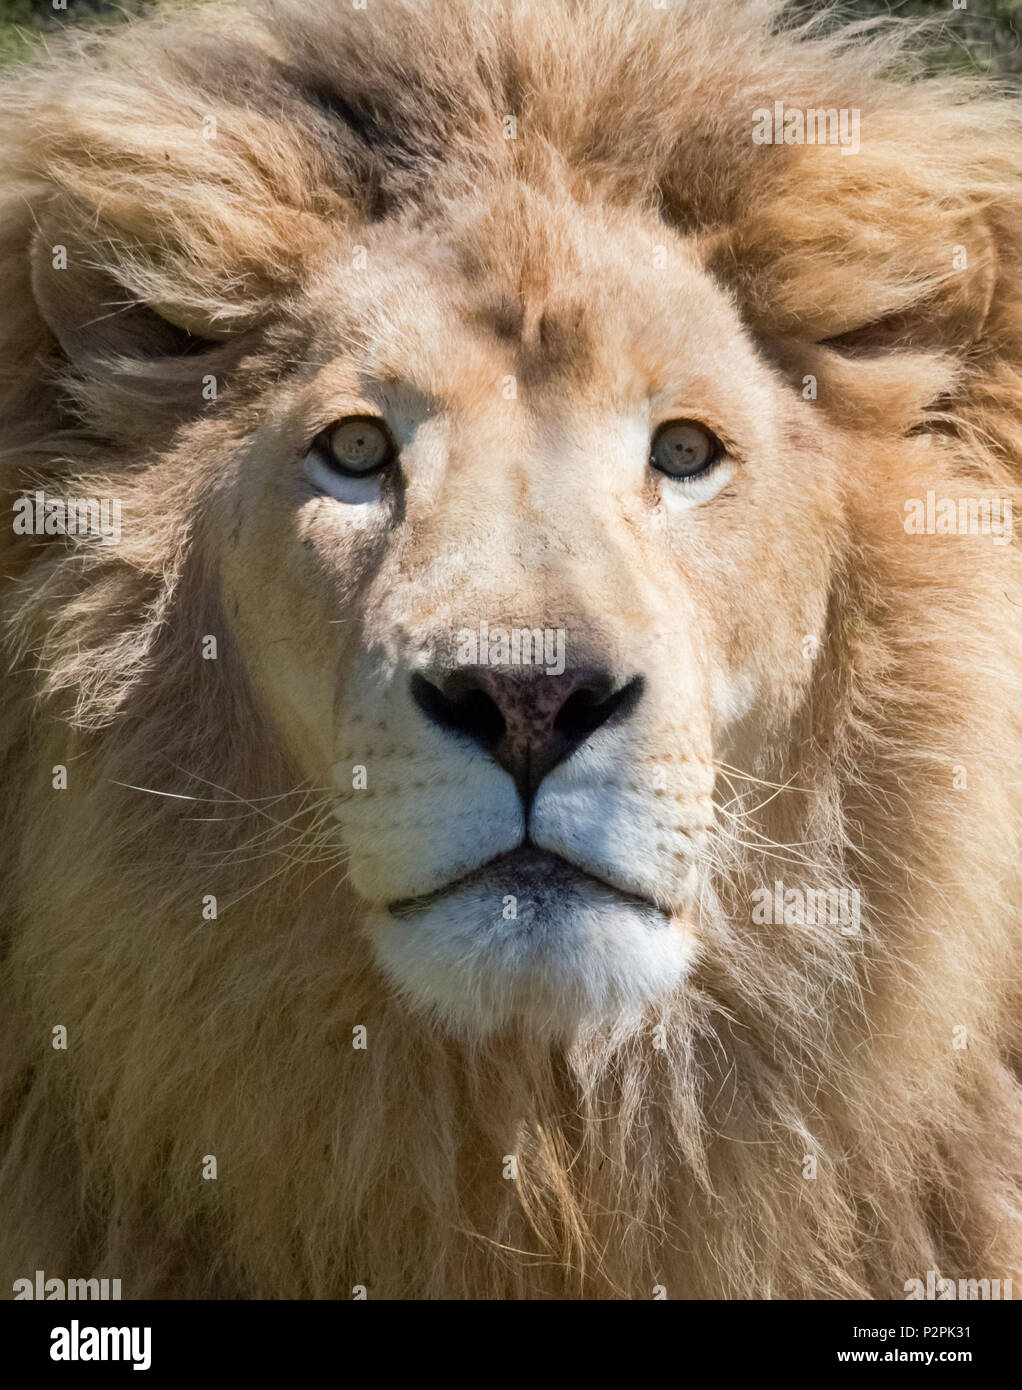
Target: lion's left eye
<point>357,446</point>
<point>685,449</point>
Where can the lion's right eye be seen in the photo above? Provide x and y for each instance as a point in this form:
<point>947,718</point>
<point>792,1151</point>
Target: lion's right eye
<point>684,449</point>
<point>357,446</point>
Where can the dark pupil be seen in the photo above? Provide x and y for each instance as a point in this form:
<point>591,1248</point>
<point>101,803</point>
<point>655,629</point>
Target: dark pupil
<point>359,449</point>
<point>686,454</point>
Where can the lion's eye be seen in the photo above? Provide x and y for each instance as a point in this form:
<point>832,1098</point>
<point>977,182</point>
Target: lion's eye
<point>357,446</point>
<point>684,449</point>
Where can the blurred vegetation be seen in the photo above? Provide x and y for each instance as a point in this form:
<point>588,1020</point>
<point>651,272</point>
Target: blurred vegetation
<point>982,36</point>
<point>985,35</point>
<point>23,23</point>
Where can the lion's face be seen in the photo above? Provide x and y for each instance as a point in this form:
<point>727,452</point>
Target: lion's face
<point>507,615</point>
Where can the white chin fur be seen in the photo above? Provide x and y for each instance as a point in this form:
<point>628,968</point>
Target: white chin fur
<point>576,955</point>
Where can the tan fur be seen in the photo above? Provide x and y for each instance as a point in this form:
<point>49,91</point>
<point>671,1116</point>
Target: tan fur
<point>639,1165</point>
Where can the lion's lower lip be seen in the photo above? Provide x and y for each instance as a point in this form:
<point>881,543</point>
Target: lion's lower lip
<point>525,867</point>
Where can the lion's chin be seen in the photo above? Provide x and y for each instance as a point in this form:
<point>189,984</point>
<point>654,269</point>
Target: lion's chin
<point>530,940</point>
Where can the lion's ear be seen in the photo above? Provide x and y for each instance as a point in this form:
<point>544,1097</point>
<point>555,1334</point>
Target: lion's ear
<point>942,304</point>
<point>849,253</point>
<point>154,211</point>
<point>105,297</point>
<point>89,310</point>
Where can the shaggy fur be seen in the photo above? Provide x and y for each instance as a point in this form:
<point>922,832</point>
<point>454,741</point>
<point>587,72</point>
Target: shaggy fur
<point>680,1164</point>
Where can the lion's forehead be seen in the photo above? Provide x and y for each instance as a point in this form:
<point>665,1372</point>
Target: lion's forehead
<point>606,303</point>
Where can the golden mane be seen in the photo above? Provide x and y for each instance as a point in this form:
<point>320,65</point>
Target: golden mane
<point>679,1162</point>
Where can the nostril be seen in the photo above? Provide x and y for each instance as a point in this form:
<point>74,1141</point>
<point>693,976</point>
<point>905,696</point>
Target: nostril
<point>590,707</point>
<point>580,715</point>
<point>470,712</point>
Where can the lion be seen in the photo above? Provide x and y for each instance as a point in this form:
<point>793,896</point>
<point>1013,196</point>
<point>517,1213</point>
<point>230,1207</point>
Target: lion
<point>513,620</point>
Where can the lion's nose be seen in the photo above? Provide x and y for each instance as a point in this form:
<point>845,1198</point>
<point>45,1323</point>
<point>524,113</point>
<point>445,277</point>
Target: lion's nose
<point>528,721</point>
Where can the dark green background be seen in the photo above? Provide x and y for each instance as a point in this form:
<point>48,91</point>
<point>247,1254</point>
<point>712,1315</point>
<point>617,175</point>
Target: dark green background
<point>985,36</point>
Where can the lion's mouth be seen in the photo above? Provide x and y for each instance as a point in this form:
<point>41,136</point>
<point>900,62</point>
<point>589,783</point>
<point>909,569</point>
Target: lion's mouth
<point>525,871</point>
<point>532,936</point>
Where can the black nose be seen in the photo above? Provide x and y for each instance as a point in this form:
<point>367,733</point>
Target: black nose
<point>527,720</point>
